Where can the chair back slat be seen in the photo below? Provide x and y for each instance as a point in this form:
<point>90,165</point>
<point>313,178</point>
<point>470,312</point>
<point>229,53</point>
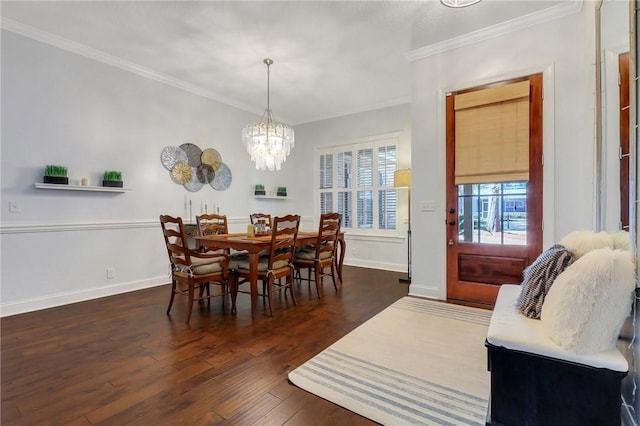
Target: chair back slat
<point>212,224</point>
<point>175,238</point>
<point>255,217</point>
<point>328,232</point>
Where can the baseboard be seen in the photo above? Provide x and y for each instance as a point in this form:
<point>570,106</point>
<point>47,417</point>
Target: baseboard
<point>363,263</point>
<point>51,301</point>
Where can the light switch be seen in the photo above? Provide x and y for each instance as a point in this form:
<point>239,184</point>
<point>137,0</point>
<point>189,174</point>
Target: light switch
<point>428,206</point>
<point>14,206</point>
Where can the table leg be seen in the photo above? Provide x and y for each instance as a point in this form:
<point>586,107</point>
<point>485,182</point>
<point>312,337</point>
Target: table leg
<point>342,246</point>
<point>253,281</point>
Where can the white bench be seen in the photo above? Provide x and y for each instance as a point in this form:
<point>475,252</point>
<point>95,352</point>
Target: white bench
<point>535,382</point>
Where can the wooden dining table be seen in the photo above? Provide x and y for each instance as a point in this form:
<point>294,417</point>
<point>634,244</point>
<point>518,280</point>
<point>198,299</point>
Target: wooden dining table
<point>253,245</point>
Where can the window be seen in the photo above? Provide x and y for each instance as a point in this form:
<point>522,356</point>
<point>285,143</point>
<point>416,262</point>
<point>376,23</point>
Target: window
<point>357,181</point>
<point>493,213</point>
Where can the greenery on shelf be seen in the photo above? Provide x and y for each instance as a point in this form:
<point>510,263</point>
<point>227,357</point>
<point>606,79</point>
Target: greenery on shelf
<point>259,187</point>
<point>57,171</point>
<point>112,175</point>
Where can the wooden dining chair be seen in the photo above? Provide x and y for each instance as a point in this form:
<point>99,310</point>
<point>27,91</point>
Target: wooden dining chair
<point>212,224</point>
<point>255,217</point>
<point>278,263</point>
<point>191,269</point>
<point>322,254</point>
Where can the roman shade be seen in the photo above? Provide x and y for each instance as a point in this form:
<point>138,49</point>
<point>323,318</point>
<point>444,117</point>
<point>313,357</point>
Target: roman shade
<point>492,134</point>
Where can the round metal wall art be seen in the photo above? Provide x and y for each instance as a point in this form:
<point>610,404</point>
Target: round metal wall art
<point>211,157</point>
<point>193,167</point>
<point>222,180</point>
<point>181,173</point>
<point>170,155</point>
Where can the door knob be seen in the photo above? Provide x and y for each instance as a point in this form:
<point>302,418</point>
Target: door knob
<point>452,222</point>
<point>452,211</point>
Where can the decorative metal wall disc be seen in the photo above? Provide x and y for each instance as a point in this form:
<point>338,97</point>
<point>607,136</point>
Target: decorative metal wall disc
<point>212,157</point>
<point>194,154</point>
<point>194,184</point>
<point>205,173</point>
<point>181,173</point>
<point>171,155</point>
<point>223,178</point>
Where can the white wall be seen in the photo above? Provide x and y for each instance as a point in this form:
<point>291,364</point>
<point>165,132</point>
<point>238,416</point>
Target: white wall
<point>61,108</point>
<point>564,50</point>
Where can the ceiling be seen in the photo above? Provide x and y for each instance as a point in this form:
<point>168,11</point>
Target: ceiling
<point>330,57</point>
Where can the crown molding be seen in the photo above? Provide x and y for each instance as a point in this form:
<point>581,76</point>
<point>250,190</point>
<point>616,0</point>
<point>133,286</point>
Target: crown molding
<point>536,18</point>
<point>105,58</point>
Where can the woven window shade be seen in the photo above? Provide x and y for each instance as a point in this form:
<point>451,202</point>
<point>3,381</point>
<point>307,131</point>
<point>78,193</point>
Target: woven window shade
<point>492,135</point>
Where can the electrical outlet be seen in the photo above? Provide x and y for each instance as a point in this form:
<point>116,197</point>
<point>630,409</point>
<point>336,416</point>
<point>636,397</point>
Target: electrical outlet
<point>14,206</point>
<point>111,273</point>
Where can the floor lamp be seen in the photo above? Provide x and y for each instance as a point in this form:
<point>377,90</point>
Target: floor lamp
<point>402,179</point>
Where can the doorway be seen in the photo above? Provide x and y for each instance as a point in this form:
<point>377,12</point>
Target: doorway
<point>494,208</point>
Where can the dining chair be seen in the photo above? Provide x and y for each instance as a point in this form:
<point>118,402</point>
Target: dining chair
<point>322,254</point>
<point>215,224</point>
<point>192,269</point>
<point>211,224</point>
<point>256,217</point>
<point>278,263</point>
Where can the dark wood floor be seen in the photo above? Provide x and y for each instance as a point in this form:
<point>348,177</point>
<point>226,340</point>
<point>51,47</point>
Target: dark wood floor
<point>121,360</point>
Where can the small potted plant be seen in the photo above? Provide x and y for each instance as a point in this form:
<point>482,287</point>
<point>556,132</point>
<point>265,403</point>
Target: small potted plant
<point>112,179</point>
<point>55,174</point>
<point>282,191</point>
<point>259,190</point>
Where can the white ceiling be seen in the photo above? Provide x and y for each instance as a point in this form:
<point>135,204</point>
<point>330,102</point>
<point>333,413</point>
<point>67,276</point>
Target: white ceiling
<point>330,57</point>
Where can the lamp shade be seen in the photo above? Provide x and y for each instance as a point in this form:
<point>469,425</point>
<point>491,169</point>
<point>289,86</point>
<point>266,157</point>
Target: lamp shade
<point>402,178</point>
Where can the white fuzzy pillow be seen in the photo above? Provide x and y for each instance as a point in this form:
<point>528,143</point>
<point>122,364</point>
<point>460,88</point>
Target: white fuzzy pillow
<point>582,242</point>
<point>588,303</point>
<point>620,240</point>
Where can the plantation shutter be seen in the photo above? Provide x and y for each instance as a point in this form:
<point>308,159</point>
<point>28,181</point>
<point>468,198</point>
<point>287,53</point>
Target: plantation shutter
<point>326,183</point>
<point>364,176</point>
<point>492,135</point>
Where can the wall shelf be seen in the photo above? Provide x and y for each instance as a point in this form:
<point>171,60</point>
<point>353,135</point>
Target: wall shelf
<point>80,188</point>
<point>272,197</point>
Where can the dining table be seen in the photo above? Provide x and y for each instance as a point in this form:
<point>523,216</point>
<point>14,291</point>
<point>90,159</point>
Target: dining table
<point>253,245</point>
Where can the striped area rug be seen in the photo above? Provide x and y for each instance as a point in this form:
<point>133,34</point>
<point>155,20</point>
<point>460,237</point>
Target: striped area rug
<point>417,362</point>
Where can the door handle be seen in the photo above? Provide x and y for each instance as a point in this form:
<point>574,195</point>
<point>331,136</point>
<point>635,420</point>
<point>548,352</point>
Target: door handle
<point>452,211</point>
<point>452,222</point>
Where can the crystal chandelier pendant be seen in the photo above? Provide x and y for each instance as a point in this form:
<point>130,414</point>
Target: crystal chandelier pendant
<point>268,142</point>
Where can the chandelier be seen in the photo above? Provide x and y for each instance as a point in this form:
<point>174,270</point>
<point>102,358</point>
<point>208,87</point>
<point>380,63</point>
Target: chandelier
<point>459,3</point>
<point>268,142</point>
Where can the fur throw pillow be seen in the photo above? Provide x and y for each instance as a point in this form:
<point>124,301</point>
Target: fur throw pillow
<point>620,240</point>
<point>582,242</point>
<point>588,303</point>
<point>539,276</point>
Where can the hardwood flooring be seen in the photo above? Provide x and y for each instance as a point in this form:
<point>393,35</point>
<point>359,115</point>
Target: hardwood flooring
<point>121,360</point>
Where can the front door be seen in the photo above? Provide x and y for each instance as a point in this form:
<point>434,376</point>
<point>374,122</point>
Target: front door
<point>494,225</point>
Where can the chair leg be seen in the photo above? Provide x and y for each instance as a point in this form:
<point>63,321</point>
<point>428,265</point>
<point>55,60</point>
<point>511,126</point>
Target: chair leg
<point>290,286</point>
<point>173,295</point>
<point>333,275</point>
<point>192,291</point>
<point>233,290</point>
<point>318,271</point>
<point>270,295</point>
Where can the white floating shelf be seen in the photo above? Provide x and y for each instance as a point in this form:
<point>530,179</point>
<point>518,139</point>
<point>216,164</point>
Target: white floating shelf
<point>272,197</point>
<point>80,188</point>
